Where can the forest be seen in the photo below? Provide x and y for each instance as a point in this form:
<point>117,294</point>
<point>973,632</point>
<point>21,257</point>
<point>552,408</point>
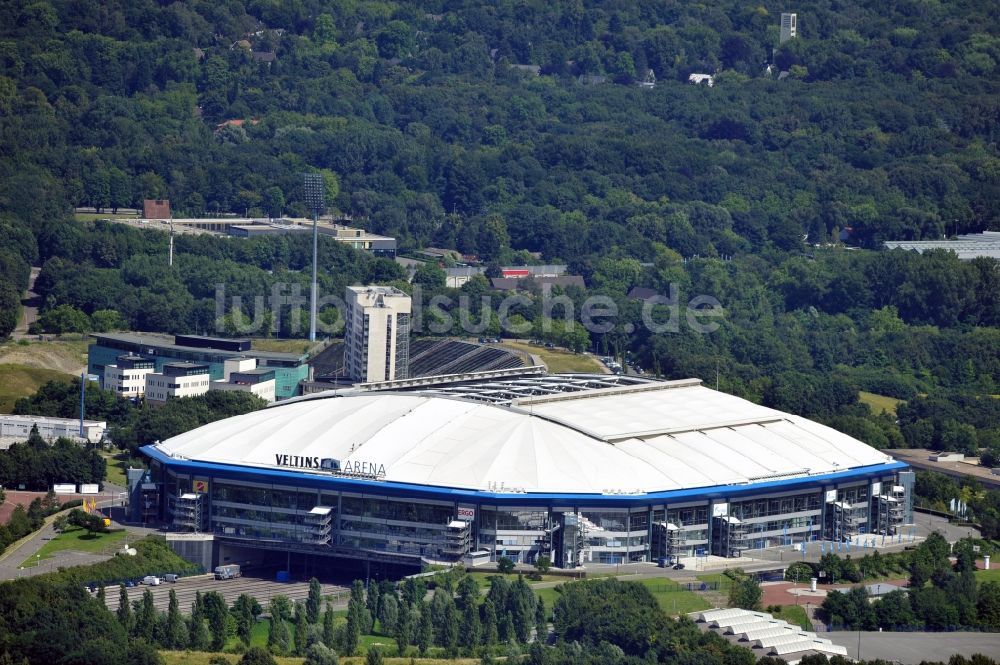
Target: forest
<point>516,132</point>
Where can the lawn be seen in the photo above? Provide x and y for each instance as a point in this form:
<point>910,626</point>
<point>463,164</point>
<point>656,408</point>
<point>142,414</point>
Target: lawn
<point>281,345</point>
<point>559,360</point>
<point>991,575</point>
<point>76,539</point>
<point>795,615</point>
<point>202,658</point>
<point>482,577</point>
<point>879,403</point>
<point>668,595</point>
<point>91,216</point>
<point>18,381</point>
<point>117,463</point>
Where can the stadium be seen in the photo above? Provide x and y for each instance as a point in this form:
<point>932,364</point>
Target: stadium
<point>518,463</point>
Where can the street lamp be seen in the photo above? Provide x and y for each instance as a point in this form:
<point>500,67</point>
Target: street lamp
<point>315,198</point>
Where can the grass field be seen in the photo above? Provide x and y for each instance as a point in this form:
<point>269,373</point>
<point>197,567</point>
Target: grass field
<point>91,216</point>
<point>794,614</point>
<point>281,345</point>
<point>482,578</point>
<point>18,381</point>
<point>668,595</point>
<point>78,540</point>
<point>202,658</point>
<point>68,353</point>
<point>991,575</point>
<point>879,403</point>
<point>559,360</point>
<point>117,463</point>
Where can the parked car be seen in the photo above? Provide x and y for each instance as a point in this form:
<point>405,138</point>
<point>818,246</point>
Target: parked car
<point>151,580</point>
<point>171,577</point>
<point>678,566</point>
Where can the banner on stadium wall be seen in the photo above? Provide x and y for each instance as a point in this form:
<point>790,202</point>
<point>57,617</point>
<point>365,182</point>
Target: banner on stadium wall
<point>200,486</point>
<point>467,514</point>
<point>831,496</point>
<point>720,509</point>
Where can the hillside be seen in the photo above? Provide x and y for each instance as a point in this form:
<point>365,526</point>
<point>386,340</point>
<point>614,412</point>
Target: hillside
<point>525,132</point>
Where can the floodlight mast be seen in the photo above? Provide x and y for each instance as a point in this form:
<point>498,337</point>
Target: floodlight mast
<point>313,187</point>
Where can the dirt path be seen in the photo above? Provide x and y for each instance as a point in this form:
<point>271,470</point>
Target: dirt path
<point>29,306</point>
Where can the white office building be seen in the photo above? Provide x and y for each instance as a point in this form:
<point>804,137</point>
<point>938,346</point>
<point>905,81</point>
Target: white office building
<point>789,27</point>
<point>259,382</point>
<point>377,333</point>
<point>177,380</point>
<point>127,377</point>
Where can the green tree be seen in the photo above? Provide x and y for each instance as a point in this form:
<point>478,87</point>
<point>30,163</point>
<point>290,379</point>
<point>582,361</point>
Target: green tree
<point>374,656</point>
<point>425,631</point>
<point>124,611</point>
<point>430,277</point>
<point>490,628</point>
<point>745,593</point>
<point>64,319</point>
<point>505,565</point>
<point>199,638</point>
<point>273,201</point>
<point>146,618</point>
<point>176,632</point>
<point>318,654</point>
<point>541,624</point>
<point>220,622</point>
<point>245,611</point>
<point>278,638</point>
<point>314,601</point>
<point>301,625</point>
<point>329,636</point>
<point>389,614</point>
<point>257,656</point>
<point>403,632</point>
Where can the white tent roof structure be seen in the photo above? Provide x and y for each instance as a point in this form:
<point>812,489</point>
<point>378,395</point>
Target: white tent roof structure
<point>637,439</point>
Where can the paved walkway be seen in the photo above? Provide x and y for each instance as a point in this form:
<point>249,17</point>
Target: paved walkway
<point>11,560</point>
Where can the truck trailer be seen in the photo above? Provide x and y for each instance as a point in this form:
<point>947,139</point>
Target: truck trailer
<point>227,572</point>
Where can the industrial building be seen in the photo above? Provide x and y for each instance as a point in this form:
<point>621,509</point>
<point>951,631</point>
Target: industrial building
<point>377,333</point>
<point>580,468</point>
<point>218,354</point>
<point>966,247</point>
<point>766,635</point>
<point>18,428</point>
<point>250,227</point>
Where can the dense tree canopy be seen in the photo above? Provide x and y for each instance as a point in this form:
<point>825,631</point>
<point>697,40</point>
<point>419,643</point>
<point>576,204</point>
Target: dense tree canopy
<point>423,128</point>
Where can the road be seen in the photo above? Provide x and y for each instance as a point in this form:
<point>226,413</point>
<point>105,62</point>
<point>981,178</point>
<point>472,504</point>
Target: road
<point>29,306</point>
<point>914,648</point>
<point>11,560</point>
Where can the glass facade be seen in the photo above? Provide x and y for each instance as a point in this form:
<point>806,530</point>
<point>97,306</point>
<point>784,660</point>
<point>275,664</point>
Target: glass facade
<point>288,373</point>
<point>337,521</point>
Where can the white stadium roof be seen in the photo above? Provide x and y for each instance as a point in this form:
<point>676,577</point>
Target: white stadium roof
<point>625,440</point>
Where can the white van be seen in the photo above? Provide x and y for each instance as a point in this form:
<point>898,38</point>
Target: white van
<point>151,580</point>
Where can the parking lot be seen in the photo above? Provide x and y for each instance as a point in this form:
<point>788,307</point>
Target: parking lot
<point>261,589</point>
